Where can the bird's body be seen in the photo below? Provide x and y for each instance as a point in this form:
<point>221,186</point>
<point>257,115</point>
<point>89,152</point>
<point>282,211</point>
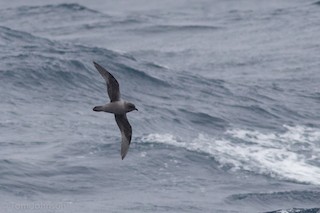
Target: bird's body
<point>118,107</point>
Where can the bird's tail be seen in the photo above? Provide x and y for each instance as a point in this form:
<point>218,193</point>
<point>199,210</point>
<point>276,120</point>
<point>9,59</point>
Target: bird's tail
<point>98,108</point>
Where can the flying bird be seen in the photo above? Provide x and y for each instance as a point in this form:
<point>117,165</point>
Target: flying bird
<point>118,107</point>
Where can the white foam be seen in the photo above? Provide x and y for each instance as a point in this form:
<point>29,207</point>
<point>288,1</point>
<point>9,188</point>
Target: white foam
<point>288,155</point>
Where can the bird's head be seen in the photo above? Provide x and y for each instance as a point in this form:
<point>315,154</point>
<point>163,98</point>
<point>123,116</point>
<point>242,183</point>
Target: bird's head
<point>131,107</point>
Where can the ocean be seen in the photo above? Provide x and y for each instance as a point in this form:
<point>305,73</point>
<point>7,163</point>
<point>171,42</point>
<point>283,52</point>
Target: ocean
<point>227,90</point>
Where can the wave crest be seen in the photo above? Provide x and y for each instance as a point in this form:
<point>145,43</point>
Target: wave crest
<point>291,155</point>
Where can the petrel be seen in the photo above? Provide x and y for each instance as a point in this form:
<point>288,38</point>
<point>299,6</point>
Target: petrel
<point>118,107</point>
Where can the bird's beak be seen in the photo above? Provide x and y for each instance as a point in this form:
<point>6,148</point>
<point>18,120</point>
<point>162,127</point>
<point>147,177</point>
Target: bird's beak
<point>136,109</point>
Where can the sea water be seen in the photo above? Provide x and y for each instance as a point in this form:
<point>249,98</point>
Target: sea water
<point>228,96</point>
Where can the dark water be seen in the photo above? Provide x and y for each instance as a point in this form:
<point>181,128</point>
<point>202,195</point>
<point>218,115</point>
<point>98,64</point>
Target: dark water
<point>228,96</point>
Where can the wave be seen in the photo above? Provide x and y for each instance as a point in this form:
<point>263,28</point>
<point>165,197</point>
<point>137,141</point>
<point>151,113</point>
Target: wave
<point>175,28</point>
<point>296,210</point>
<point>10,35</point>
<point>131,71</point>
<point>258,110</point>
<point>34,61</point>
<point>282,196</point>
<point>204,119</point>
<point>53,20</point>
<point>65,7</point>
<point>290,155</point>
<point>26,178</point>
<point>316,3</point>
<point>305,198</point>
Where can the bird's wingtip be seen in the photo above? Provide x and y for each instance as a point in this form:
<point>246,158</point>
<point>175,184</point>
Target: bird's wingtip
<point>97,66</point>
<point>123,154</point>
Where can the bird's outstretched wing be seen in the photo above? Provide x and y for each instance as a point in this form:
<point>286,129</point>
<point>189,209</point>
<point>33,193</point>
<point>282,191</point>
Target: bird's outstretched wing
<point>112,83</point>
<point>126,132</point>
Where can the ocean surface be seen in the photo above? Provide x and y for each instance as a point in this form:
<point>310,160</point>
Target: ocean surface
<point>228,93</point>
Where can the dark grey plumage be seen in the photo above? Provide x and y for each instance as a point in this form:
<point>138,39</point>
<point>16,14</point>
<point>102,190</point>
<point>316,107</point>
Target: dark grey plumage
<point>118,107</point>
<point>126,132</point>
<point>112,83</point>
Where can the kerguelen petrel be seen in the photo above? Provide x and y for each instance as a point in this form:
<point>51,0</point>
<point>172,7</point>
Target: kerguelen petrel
<point>118,107</point>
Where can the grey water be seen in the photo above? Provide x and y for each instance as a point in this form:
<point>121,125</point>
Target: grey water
<point>228,96</point>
